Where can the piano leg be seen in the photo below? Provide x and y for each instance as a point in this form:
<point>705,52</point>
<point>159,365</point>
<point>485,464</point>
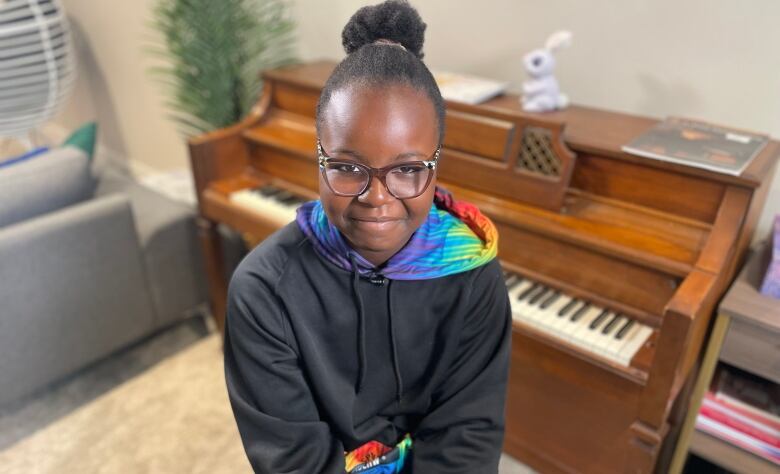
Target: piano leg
<point>214,260</point>
<point>644,446</point>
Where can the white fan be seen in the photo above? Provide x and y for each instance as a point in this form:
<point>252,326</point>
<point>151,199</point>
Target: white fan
<point>36,65</point>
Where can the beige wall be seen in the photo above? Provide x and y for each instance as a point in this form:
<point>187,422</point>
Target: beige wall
<point>715,60</point>
<point>114,87</point>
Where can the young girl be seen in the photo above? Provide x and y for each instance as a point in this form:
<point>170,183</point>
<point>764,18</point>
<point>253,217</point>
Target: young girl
<point>372,334</point>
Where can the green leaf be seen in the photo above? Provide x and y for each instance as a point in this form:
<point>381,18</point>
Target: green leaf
<point>212,54</point>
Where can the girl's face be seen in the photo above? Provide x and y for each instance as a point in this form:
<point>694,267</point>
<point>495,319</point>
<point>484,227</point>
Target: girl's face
<point>378,126</point>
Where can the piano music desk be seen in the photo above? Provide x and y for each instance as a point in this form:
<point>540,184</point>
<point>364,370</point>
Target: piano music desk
<point>745,335</point>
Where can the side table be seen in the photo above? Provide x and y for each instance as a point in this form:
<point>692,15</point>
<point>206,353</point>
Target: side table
<point>746,335</point>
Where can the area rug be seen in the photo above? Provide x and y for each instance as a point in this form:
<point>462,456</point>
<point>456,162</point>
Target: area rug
<point>173,418</point>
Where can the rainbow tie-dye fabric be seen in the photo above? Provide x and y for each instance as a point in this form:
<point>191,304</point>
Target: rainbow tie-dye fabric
<point>376,458</point>
<point>454,238</point>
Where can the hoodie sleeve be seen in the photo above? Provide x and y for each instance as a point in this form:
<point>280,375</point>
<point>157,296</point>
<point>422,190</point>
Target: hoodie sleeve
<point>276,415</point>
<point>463,431</point>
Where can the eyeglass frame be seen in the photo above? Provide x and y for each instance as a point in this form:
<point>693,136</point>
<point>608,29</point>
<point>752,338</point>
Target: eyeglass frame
<point>380,173</point>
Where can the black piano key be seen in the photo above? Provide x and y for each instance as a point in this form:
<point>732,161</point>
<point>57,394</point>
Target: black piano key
<point>514,283</point>
<point>599,319</point>
<point>528,291</point>
<point>552,299</point>
<point>538,296</point>
<point>562,312</point>
<point>268,190</point>
<point>284,196</point>
<point>610,324</point>
<point>622,332</point>
<point>540,290</point>
<point>578,314</point>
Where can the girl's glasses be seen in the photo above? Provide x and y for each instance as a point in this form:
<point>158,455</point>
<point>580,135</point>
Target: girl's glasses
<point>403,180</point>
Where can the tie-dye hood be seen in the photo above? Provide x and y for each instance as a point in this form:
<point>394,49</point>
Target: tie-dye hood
<point>454,238</point>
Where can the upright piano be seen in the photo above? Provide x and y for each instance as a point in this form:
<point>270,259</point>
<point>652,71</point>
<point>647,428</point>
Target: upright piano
<point>613,262</point>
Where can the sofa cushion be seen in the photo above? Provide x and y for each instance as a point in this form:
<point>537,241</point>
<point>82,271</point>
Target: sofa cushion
<point>51,181</point>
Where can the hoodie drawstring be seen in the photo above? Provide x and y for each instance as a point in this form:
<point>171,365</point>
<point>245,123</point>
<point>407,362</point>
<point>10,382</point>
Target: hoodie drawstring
<point>361,326</point>
<point>362,361</point>
<point>399,383</point>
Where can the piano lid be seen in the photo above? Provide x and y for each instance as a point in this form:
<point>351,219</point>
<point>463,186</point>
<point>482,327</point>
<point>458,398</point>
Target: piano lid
<point>586,129</point>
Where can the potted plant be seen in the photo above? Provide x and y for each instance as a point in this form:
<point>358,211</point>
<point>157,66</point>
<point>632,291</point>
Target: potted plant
<point>213,53</point>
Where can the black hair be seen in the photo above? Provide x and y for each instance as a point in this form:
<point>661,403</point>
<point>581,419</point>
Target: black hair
<point>376,64</point>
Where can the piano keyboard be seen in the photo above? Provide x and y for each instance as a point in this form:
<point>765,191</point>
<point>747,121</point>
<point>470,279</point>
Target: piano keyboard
<point>606,333</point>
<point>274,203</point>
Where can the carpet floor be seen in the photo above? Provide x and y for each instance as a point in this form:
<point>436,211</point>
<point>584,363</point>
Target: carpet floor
<point>166,414</point>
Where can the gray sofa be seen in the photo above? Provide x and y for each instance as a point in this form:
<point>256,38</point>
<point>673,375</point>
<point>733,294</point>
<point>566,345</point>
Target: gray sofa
<point>86,273</point>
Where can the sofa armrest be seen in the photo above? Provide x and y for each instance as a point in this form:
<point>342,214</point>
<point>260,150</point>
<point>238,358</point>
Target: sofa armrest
<point>72,290</point>
<point>169,244</point>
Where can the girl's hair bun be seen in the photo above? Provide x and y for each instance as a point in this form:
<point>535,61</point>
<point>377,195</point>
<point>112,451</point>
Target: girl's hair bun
<point>393,20</point>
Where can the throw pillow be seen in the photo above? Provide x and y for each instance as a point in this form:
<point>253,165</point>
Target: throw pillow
<point>84,138</point>
<point>53,180</point>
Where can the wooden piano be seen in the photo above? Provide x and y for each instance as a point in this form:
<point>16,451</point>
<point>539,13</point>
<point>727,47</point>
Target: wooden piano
<point>613,262</point>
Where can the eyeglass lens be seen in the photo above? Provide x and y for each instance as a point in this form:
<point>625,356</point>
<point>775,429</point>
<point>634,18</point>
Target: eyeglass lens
<point>405,180</point>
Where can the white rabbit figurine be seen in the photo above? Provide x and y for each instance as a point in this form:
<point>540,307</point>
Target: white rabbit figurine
<point>541,92</point>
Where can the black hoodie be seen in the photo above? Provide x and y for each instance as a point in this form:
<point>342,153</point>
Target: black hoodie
<point>319,361</point>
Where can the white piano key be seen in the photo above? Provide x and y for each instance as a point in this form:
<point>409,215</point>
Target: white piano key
<point>523,307</point>
<point>519,288</point>
<point>524,290</point>
<point>534,312</point>
<point>636,340</point>
<point>529,311</point>
<point>525,285</point>
<point>563,324</point>
<point>605,333</point>
<point>592,333</point>
<point>614,344</point>
<point>276,204</point>
<point>552,321</point>
<point>582,324</point>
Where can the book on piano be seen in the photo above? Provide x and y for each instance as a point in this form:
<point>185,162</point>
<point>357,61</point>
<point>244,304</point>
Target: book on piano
<point>699,144</point>
<point>467,89</point>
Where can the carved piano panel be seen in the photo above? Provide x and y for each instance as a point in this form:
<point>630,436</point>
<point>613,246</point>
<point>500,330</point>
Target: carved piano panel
<point>638,247</point>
